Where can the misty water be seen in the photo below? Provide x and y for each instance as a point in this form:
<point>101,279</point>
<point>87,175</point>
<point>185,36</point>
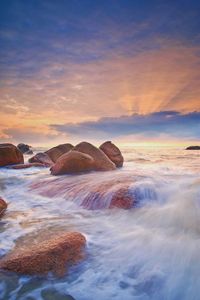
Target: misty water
<point>151,251</point>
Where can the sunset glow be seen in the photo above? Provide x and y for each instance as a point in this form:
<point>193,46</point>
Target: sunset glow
<point>62,69</point>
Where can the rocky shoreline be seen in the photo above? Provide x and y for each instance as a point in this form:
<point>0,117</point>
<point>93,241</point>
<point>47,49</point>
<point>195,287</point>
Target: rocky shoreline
<point>56,254</point>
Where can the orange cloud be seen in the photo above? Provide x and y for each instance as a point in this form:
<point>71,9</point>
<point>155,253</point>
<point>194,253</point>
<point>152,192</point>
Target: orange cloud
<point>165,78</point>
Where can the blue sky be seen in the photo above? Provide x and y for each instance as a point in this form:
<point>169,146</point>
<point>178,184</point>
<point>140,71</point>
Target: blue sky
<point>68,63</point>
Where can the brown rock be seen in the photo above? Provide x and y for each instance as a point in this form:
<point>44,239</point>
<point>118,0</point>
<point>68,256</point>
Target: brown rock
<point>55,152</point>
<point>10,154</point>
<point>73,162</point>
<point>101,161</point>
<point>122,199</point>
<point>3,206</point>
<point>52,255</point>
<point>41,158</point>
<point>113,153</point>
<point>25,166</point>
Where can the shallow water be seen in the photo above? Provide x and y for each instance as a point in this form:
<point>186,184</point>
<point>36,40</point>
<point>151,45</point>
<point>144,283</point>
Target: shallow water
<point>149,252</point>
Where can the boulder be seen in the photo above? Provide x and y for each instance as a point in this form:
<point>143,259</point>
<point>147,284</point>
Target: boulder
<point>193,148</point>
<point>25,166</point>
<point>55,152</point>
<point>53,255</point>
<point>42,158</point>
<point>24,148</point>
<point>101,161</point>
<point>3,206</point>
<point>10,154</point>
<point>113,153</point>
<point>72,162</point>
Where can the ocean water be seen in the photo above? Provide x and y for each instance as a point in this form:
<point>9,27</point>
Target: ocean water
<point>151,251</point>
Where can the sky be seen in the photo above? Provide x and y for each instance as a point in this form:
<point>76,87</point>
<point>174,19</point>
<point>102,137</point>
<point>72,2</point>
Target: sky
<point>121,70</point>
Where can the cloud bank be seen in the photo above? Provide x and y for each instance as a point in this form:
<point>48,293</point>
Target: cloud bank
<point>169,123</point>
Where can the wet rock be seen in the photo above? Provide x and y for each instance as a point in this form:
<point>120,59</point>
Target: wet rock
<point>101,161</point>
<point>25,166</point>
<point>53,294</point>
<point>122,198</point>
<point>53,255</point>
<point>10,154</point>
<point>55,152</point>
<point>3,206</point>
<point>41,158</point>
<point>193,148</point>
<point>72,162</point>
<point>113,153</point>
<point>24,148</point>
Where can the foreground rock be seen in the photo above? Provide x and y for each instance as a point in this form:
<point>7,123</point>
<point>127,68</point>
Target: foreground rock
<point>25,166</point>
<point>3,206</point>
<point>73,162</point>
<point>101,161</point>
<point>42,158</point>
<point>55,152</point>
<point>52,255</point>
<point>113,153</point>
<point>10,154</point>
<point>24,148</point>
<point>193,148</point>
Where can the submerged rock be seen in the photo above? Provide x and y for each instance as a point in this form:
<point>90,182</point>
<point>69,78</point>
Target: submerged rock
<point>101,161</point>
<point>73,162</point>
<point>89,194</point>
<point>55,152</point>
<point>24,148</point>
<point>25,166</point>
<point>193,148</point>
<point>53,294</point>
<point>113,153</point>
<point>10,154</point>
<point>3,206</point>
<point>52,255</point>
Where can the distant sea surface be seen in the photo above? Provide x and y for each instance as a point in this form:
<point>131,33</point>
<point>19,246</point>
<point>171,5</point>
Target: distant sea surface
<point>148,252</point>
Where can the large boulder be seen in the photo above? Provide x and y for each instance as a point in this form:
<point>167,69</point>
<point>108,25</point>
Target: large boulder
<point>10,154</point>
<point>55,152</point>
<point>101,161</point>
<point>113,153</point>
<point>3,206</point>
<point>193,148</point>
<point>24,148</point>
<point>52,255</point>
<point>73,162</point>
<point>42,158</point>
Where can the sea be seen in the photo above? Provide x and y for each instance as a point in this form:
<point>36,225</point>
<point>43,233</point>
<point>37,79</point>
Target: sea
<point>151,251</point>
